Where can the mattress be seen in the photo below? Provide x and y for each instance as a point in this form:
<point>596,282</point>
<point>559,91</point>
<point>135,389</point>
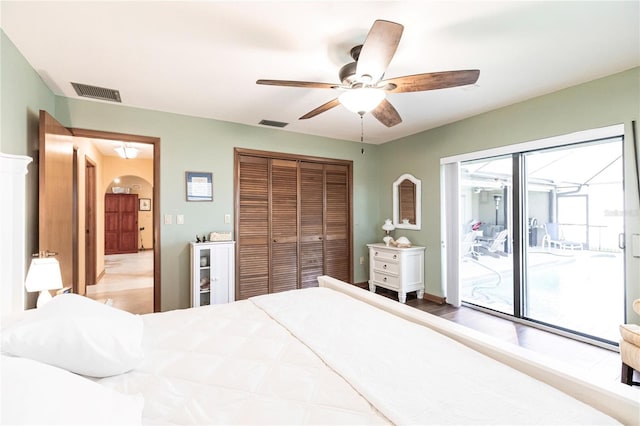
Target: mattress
<point>317,356</point>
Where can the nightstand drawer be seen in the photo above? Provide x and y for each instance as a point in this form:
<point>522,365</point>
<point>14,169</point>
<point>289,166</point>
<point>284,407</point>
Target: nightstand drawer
<point>386,281</point>
<point>385,255</point>
<point>385,266</point>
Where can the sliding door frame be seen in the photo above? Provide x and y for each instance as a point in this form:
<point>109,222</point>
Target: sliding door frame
<point>450,220</point>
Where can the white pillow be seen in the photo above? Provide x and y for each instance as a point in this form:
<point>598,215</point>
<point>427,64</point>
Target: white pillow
<point>80,335</point>
<point>36,393</point>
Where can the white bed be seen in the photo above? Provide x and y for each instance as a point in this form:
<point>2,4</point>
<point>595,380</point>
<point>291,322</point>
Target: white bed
<point>341,355</point>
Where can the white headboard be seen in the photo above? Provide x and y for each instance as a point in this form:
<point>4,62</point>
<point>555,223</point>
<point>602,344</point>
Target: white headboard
<point>13,169</point>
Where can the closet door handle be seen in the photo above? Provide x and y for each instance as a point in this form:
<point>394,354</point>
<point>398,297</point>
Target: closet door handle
<point>320,238</point>
<point>275,241</point>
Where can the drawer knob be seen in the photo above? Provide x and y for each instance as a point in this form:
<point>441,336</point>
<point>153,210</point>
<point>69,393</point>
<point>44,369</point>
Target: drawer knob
<point>376,253</point>
<point>395,256</point>
<point>384,266</point>
<point>384,279</point>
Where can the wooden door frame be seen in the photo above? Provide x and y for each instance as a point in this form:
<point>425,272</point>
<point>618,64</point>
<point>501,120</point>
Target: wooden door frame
<point>90,255</point>
<point>155,202</point>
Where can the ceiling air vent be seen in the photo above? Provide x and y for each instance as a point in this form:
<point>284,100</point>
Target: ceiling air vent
<point>95,92</point>
<point>272,123</point>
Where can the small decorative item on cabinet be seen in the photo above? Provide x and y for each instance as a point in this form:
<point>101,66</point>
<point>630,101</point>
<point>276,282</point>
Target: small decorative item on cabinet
<point>204,261</point>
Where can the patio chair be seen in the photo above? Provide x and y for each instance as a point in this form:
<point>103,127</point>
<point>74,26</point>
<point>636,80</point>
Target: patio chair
<point>630,349</point>
<point>495,247</point>
<point>552,238</point>
<point>469,244</point>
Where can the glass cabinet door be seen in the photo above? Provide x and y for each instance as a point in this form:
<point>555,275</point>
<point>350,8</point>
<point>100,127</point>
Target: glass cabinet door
<point>204,277</point>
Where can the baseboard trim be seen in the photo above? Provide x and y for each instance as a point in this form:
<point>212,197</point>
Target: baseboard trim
<point>433,298</point>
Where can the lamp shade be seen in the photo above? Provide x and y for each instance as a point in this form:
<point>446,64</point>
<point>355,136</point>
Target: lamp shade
<point>44,275</point>
<point>388,226</point>
<point>361,100</point>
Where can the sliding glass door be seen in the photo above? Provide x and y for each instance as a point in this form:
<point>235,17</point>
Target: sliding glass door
<point>486,270</point>
<point>575,269</point>
<point>539,236</point>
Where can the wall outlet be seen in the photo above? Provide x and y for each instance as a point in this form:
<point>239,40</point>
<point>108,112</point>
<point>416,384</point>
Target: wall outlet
<point>227,218</point>
<point>180,219</point>
<point>362,260</point>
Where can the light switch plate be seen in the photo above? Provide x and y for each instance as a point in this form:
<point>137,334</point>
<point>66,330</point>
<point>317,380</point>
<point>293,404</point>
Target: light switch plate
<point>180,219</point>
<point>227,218</point>
<point>168,219</point>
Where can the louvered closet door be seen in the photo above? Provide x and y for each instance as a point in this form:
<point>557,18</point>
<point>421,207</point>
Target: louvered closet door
<point>253,227</point>
<point>311,223</point>
<point>284,225</point>
<point>337,222</point>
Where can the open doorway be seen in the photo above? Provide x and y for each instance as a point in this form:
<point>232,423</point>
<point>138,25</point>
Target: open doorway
<point>124,191</point>
<point>70,164</point>
<point>126,280</point>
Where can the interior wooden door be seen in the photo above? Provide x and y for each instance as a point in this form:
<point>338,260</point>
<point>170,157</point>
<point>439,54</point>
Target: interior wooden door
<point>283,212</point>
<point>57,220</point>
<point>337,225</point>
<point>311,223</point>
<point>90,216</point>
<point>120,223</point>
<point>252,226</point>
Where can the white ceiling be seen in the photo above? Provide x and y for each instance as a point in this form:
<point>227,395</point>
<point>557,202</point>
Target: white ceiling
<point>203,58</point>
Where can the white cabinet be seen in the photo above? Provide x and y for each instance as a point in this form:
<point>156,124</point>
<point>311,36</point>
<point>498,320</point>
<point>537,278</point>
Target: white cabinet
<point>398,269</point>
<point>212,273</point>
<point>13,169</point>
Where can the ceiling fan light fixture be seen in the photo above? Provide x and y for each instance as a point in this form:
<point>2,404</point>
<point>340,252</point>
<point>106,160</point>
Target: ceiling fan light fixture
<point>361,100</point>
<point>126,152</point>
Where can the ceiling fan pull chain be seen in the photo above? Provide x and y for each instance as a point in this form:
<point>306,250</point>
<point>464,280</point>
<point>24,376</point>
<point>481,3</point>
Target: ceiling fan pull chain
<point>362,134</point>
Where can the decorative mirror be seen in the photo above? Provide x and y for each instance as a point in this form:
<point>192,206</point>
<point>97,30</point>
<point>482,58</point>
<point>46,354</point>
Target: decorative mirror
<point>407,212</point>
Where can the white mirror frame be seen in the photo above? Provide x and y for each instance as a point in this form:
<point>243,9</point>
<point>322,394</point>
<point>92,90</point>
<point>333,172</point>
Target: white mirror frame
<point>396,202</point>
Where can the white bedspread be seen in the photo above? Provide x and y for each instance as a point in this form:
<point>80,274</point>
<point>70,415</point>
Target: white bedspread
<point>317,356</point>
<point>414,375</point>
<point>233,364</point>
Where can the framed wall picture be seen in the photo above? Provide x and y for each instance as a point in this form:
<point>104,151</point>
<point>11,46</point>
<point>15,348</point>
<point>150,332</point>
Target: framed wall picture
<point>144,204</point>
<point>199,186</point>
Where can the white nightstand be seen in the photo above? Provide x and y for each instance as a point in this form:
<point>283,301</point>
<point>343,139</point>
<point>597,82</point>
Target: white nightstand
<point>398,269</point>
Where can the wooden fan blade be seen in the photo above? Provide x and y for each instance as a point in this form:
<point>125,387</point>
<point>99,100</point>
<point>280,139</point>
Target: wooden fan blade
<point>430,81</point>
<point>291,83</point>
<point>322,108</point>
<point>378,49</point>
<point>386,114</point>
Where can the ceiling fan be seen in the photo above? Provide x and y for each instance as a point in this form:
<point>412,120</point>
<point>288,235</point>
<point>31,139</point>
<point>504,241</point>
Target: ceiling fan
<point>362,80</point>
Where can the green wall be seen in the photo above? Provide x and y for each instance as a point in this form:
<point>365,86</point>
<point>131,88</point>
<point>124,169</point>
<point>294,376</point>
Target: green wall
<point>611,100</point>
<point>189,143</point>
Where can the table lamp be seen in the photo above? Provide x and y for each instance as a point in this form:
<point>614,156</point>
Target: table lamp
<point>387,227</point>
<point>44,275</point>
